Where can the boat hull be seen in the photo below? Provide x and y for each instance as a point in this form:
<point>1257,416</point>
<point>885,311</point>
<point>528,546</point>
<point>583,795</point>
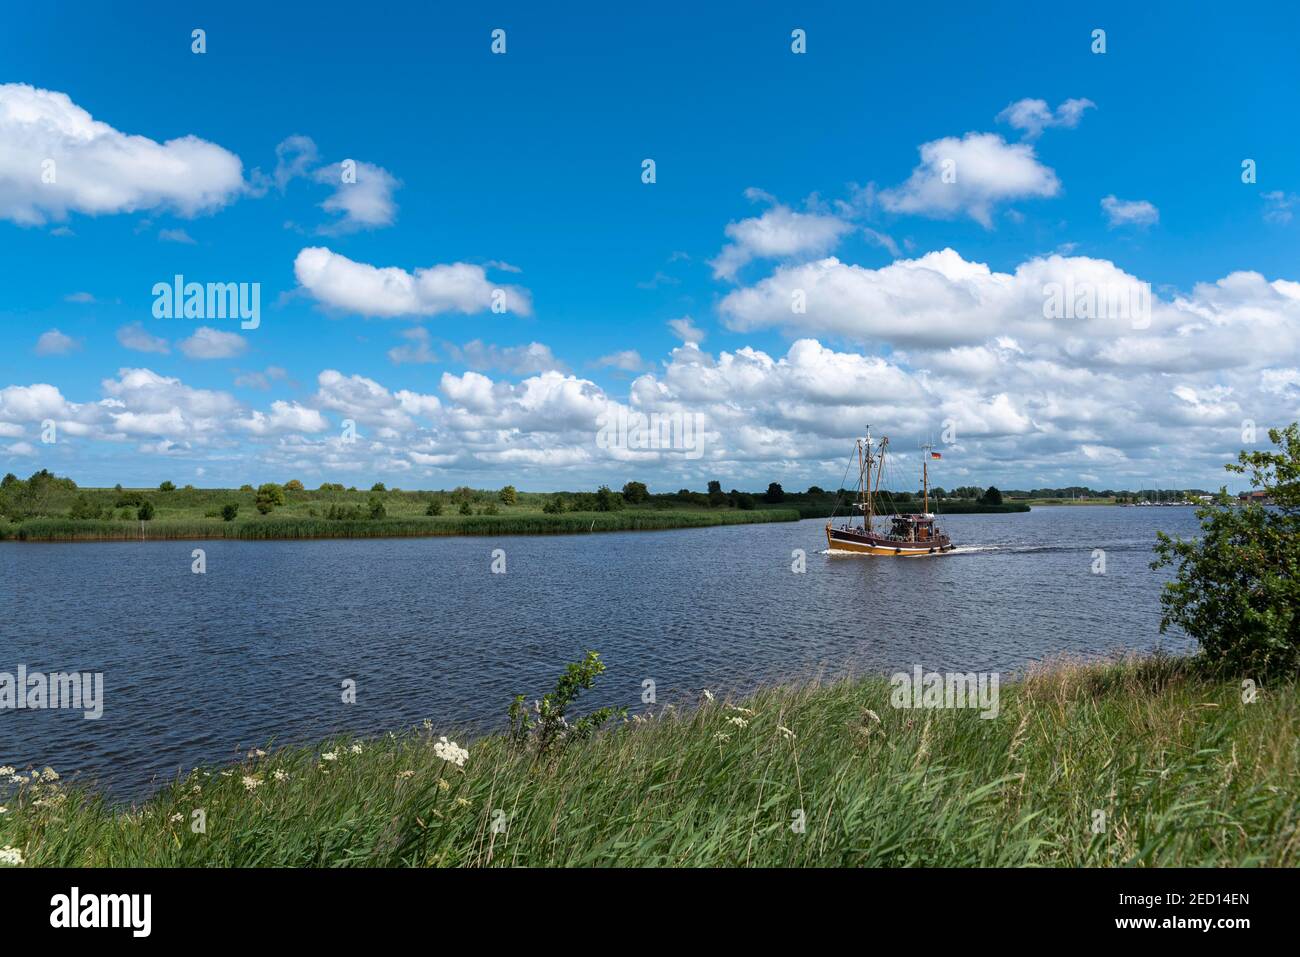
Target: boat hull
<point>844,540</point>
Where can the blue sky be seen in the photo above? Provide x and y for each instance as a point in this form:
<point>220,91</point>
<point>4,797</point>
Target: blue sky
<point>527,168</point>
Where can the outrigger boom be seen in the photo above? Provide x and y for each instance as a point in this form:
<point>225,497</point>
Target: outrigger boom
<point>910,536</point>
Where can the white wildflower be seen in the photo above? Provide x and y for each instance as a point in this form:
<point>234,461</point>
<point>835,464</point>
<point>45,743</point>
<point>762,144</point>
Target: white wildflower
<point>785,731</point>
<point>252,783</point>
<point>871,714</point>
<point>257,753</point>
<point>450,751</point>
<point>281,774</point>
<point>11,856</point>
<point>738,721</point>
<point>49,774</point>
<point>330,756</point>
<point>355,749</point>
<point>408,773</point>
<point>176,818</point>
<point>708,695</point>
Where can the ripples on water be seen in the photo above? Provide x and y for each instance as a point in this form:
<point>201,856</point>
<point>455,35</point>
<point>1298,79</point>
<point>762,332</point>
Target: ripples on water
<point>199,667</point>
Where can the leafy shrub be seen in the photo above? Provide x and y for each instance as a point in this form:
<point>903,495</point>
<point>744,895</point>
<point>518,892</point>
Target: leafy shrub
<point>634,493</point>
<point>376,506</point>
<point>489,509</point>
<point>435,507</point>
<point>466,508</point>
<point>608,500</point>
<point>229,511</point>
<point>293,485</point>
<point>1236,588</point>
<point>554,505</point>
<point>508,495</point>
<point>145,512</point>
<point>166,487</point>
<point>378,487</point>
<point>547,728</point>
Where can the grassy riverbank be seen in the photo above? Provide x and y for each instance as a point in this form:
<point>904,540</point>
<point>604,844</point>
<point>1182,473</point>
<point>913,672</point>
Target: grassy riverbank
<point>515,522</point>
<point>62,513</point>
<point>1184,771</point>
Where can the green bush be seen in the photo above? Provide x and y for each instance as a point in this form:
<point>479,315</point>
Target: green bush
<point>608,500</point>
<point>435,507</point>
<point>229,511</point>
<point>508,495</point>
<point>634,493</point>
<point>166,487</point>
<point>1236,588</point>
<point>376,506</point>
<point>466,508</point>
<point>554,505</point>
<point>145,512</point>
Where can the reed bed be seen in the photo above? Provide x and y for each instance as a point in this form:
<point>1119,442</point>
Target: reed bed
<point>304,526</point>
<point>1183,771</point>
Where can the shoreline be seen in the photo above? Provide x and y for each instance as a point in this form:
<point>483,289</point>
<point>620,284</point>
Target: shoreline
<point>308,528</point>
<point>1165,750</point>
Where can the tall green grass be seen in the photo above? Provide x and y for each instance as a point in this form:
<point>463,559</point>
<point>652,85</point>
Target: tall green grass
<point>299,525</point>
<point>1185,772</point>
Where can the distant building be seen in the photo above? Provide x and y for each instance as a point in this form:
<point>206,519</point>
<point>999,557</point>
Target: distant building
<point>1258,498</point>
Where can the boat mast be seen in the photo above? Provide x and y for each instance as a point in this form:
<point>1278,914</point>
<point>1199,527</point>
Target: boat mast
<point>925,479</point>
<point>867,501</point>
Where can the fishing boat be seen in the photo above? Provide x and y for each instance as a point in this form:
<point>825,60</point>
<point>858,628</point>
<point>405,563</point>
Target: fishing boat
<point>915,535</point>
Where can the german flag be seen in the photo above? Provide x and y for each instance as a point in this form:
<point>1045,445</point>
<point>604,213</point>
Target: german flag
<point>935,455</point>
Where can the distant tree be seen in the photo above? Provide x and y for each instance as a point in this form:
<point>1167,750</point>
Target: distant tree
<point>634,493</point>
<point>376,506</point>
<point>991,496</point>
<point>466,508</point>
<point>462,493</point>
<point>435,507</point>
<point>937,492</point>
<point>188,488</point>
<point>816,490</point>
<point>245,488</point>
<point>272,491</point>
<point>1236,589</point>
<point>508,495</point>
<point>744,501</point>
<point>554,505</point>
<point>774,493</point>
<point>145,512</point>
<point>608,500</point>
<point>10,480</point>
<point>166,487</point>
<point>489,509</point>
<point>378,487</point>
<point>229,511</point>
<point>293,485</point>
<point>714,486</point>
<point>269,495</point>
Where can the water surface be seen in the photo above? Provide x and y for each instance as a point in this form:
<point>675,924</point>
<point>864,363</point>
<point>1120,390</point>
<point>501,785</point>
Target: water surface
<point>199,667</point>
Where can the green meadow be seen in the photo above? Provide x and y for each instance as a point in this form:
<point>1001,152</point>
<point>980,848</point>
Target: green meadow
<point>1130,763</point>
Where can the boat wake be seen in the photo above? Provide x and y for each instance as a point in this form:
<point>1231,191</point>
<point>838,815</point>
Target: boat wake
<point>1010,549</point>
